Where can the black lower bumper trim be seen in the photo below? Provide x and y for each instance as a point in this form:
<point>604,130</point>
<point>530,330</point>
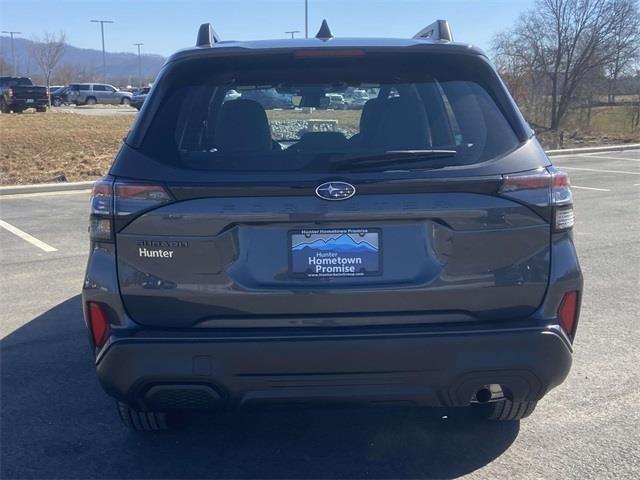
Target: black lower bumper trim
<point>436,370</point>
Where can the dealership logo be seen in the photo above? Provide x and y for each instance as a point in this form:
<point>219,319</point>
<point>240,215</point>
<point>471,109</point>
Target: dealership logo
<point>335,191</point>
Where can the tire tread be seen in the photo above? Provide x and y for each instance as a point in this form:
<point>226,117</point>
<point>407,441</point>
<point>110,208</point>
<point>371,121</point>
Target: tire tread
<point>142,421</point>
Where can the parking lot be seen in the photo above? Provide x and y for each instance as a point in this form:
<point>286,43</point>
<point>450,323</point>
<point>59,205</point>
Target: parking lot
<point>57,423</point>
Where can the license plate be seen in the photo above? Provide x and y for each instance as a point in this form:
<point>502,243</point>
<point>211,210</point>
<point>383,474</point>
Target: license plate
<point>322,253</point>
<point>30,100</point>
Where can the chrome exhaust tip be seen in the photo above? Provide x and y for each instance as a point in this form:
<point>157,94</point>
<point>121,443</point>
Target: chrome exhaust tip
<point>488,393</point>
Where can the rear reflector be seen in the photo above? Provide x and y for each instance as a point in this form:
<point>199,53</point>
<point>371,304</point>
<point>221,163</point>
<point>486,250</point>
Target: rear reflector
<point>567,313</point>
<point>98,323</point>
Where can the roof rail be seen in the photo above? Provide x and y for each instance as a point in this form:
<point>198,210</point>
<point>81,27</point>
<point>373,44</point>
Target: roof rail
<point>207,36</point>
<point>438,30</point>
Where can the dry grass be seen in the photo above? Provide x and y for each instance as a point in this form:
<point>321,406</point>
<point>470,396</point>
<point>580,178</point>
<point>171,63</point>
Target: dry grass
<point>42,147</point>
<point>36,148</point>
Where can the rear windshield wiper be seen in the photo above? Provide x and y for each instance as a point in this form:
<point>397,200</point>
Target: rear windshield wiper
<point>391,157</point>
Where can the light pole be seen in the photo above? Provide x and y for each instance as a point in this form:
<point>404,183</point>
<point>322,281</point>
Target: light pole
<point>292,33</point>
<point>104,55</point>
<point>139,65</point>
<point>13,52</point>
<point>306,18</point>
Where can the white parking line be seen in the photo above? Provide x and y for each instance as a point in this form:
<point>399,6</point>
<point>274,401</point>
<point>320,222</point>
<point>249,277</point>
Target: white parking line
<point>591,188</point>
<point>598,170</point>
<point>611,158</point>
<point>42,194</point>
<point>26,237</point>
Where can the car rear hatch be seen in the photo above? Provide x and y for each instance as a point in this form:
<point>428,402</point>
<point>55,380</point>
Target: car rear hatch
<point>25,92</point>
<point>223,222</point>
<point>229,260</point>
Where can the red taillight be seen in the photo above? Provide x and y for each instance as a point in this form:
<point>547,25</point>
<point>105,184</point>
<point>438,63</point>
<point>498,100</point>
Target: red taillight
<point>141,191</point>
<point>98,323</point>
<point>133,198</point>
<point>10,92</point>
<point>568,313</point>
<point>543,188</point>
<point>533,181</point>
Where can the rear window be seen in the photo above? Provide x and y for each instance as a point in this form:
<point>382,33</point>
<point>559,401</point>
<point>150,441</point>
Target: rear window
<point>283,113</point>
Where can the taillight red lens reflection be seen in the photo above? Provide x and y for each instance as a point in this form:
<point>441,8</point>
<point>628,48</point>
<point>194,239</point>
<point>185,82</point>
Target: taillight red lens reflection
<point>567,312</point>
<point>98,323</point>
<point>127,190</point>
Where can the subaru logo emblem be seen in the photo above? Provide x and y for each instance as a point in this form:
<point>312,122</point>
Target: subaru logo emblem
<point>335,191</point>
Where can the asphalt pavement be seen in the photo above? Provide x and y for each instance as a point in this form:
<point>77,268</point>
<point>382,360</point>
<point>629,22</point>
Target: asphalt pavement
<point>57,423</point>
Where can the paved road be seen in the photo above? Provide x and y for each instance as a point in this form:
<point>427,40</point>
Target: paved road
<point>57,423</point>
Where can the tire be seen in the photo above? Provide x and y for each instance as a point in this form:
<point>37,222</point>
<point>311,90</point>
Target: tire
<point>506,410</point>
<point>56,102</point>
<point>90,101</point>
<point>41,109</point>
<point>142,421</point>
<point>3,107</point>
<point>125,101</point>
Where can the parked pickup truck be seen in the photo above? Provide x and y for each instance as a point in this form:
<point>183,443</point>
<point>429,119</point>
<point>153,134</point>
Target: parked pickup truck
<point>19,93</point>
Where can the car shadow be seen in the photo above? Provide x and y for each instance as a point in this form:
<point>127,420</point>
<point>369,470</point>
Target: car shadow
<point>57,423</point>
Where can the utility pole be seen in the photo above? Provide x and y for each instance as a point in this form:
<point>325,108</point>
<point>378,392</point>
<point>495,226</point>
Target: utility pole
<point>292,33</point>
<point>104,55</point>
<point>13,52</point>
<point>306,18</point>
<point>139,65</point>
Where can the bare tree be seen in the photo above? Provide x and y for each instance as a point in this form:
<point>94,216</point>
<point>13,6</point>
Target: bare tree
<point>47,52</point>
<point>563,43</point>
<point>625,44</point>
<point>5,67</point>
<point>65,74</point>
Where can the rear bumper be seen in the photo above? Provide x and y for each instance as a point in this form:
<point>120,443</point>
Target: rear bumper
<point>421,367</point>
<point>23,103</point>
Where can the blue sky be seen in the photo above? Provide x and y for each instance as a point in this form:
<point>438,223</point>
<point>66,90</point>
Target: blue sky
<point>167,25</point>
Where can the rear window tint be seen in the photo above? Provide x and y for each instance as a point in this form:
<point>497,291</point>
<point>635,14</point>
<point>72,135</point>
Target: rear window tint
<point>279,113</point>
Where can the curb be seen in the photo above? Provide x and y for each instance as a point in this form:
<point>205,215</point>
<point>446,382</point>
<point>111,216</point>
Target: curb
<point>608,148</point>
<point>70,186</point>
<point>45,187</point>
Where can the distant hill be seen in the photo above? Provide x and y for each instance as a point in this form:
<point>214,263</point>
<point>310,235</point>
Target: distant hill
<point>83,64</point>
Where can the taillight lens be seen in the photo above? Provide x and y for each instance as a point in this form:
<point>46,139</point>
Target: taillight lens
<point>568,313</point>
<point>542,188</point>
<point>101,219</point>
<point>98,323</point>
<point>114,202</point>
<point>132,198</point>
<point>10,92</point>
<point>562,198</point>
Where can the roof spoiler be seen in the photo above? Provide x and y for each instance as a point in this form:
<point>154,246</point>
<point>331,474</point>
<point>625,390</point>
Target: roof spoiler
<point>207,36</point>
<point>438,30</point>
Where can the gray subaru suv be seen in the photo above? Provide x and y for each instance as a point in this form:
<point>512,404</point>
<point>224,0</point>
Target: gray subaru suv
<point>416,249</point>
